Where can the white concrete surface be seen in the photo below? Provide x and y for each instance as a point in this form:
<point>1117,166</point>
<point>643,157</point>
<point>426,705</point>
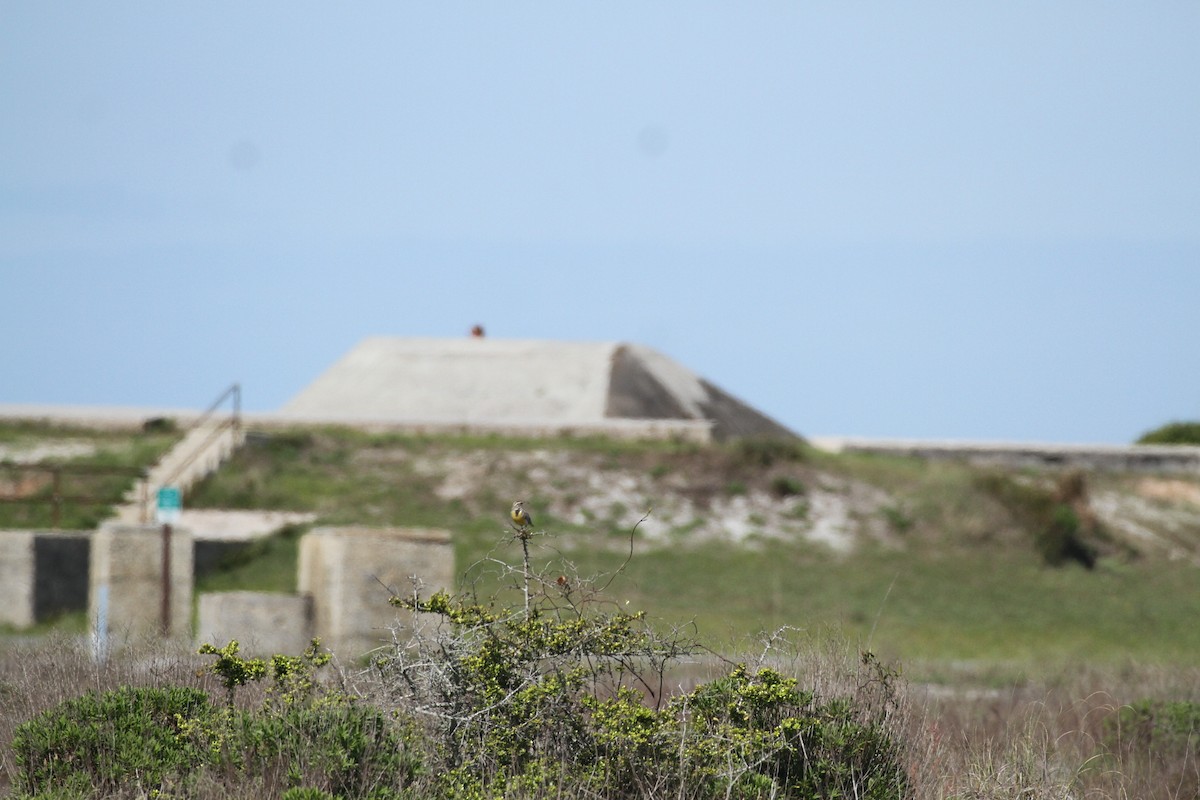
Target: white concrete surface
<point>1166,458</point>
<point>238,526</point>
<point>462,381</point>
<point>541,386</point>
<point>115,417</point>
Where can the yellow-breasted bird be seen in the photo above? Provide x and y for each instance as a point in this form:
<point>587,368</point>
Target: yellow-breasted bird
<point>520,516</point>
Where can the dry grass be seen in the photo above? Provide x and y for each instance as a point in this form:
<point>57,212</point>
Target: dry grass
<point>1059,737</point>
<point>37,674</point>
<point>1054,737</point>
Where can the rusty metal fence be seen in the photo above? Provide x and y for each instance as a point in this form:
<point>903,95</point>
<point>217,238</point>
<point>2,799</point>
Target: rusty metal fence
<point>61,485</point>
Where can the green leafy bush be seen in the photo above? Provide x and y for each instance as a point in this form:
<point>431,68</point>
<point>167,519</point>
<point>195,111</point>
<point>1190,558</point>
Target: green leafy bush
<point>160,740</point>
<point>1060,539</point>
<point>787,486</point>
<point>1160,738</point>
<point>765,451</point>
<point>1058,520</point>
<point>306,793</point>
<point>529,702</point>
<point>344,748</point>
<point>1157,725</point>
<point>98,743</point>
<point>1173,433</point>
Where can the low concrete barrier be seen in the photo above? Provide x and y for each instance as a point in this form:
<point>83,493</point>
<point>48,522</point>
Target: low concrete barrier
<point>126,592</point>
<point>263,623</point>
<point>42,574</point>
<point>1117,458</point>
<point>351,572</point>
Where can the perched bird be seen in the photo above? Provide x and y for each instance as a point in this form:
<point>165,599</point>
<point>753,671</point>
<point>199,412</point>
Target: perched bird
<point>520,516</point>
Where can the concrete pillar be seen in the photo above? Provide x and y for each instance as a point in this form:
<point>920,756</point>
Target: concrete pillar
<point>17,578</point>
<point>126,588</point>
<point>42,574</point>
<point>264,623</point>
<point>350,573</point>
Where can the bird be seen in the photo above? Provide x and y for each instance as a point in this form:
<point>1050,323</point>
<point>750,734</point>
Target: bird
<point>520,516</point>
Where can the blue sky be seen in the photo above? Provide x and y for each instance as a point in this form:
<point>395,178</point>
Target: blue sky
<point>947,220</point>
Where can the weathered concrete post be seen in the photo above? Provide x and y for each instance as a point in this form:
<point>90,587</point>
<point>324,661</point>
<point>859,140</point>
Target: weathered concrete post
<point>264,623</point>
<point>348,572</point>
<point>42,574</point>
<point>127,582</point>
<point>17,578</point>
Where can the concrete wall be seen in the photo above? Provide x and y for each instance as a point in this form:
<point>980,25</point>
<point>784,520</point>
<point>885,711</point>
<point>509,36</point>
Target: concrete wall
<point>60,564</point>
<point>350,573</point>
<point>17,578</point>
<point>126,568</point>
<point>264,623</point>
<point>1182,459</point>
<point>42,574</point>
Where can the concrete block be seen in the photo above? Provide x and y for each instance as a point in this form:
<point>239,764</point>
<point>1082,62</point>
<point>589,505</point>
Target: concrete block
<point>17,576</point>
<point>264,623</point>
<point>126,587</point>
<point>42,573</point>
<point>351,572</point>
<point>60,573</point>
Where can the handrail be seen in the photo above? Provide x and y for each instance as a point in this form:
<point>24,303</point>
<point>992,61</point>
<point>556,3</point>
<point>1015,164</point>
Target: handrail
<point>57,498</point>
<point>235,389</point>
<point>234,422</point>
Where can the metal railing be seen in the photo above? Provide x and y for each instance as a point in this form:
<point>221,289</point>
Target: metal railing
<point>62,489</point>
<point>61,476</point>
<point>232,422</point>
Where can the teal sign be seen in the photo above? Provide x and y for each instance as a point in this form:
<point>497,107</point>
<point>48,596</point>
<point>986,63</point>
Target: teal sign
<point>170,505</point>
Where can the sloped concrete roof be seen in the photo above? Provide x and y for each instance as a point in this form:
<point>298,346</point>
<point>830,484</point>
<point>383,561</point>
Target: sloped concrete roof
<point>505,382</point>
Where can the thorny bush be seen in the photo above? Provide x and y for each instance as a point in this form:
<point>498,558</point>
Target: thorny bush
<point>567,693</point>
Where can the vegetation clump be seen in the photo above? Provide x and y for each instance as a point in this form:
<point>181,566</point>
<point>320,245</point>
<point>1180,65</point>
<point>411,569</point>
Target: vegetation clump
<point>1173,433</point>
<point>1060,520</point>
<point>168,741</point>
<point>98,743</point>
<point>566,692</point>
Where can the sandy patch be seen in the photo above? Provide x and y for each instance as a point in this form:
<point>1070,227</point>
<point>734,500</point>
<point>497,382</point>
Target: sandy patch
<point>239,526</point>
<point>1171,490</point>
<point>35,452</point>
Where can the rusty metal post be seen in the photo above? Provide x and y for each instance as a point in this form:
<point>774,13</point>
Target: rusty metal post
<point>165,611</point>
<point>56,499</point>
<point>237,407</point>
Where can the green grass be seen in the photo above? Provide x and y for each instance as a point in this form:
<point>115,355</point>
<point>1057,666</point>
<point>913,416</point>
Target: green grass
<point>1173,433</point>
<point>67,623</point>
<point>99,479</point>
<point>914,607</point>
<point>963,583</point>
<point>265,565</point>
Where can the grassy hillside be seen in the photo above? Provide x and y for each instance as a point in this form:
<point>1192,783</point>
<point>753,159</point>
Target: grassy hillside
<point>94,469</point>
<point>932,563</point>
<point>1044,621</point>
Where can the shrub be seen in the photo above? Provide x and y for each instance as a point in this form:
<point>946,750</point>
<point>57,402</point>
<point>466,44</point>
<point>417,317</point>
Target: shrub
<point>1060,539</point>
<point>765,451</point>
<point>898,518</point>
<point>1157,724</point>
<point>1061,525</point>
<point>1159,738</point>
<point>306,793</point>
<point>787,486</point>
<point>1173,433</point>
<point>340,747</point>
<point>528,701</point>
<point>158,740</point>
<point>98,743</point>
<point>302,733</point>
<point>791,741</point>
